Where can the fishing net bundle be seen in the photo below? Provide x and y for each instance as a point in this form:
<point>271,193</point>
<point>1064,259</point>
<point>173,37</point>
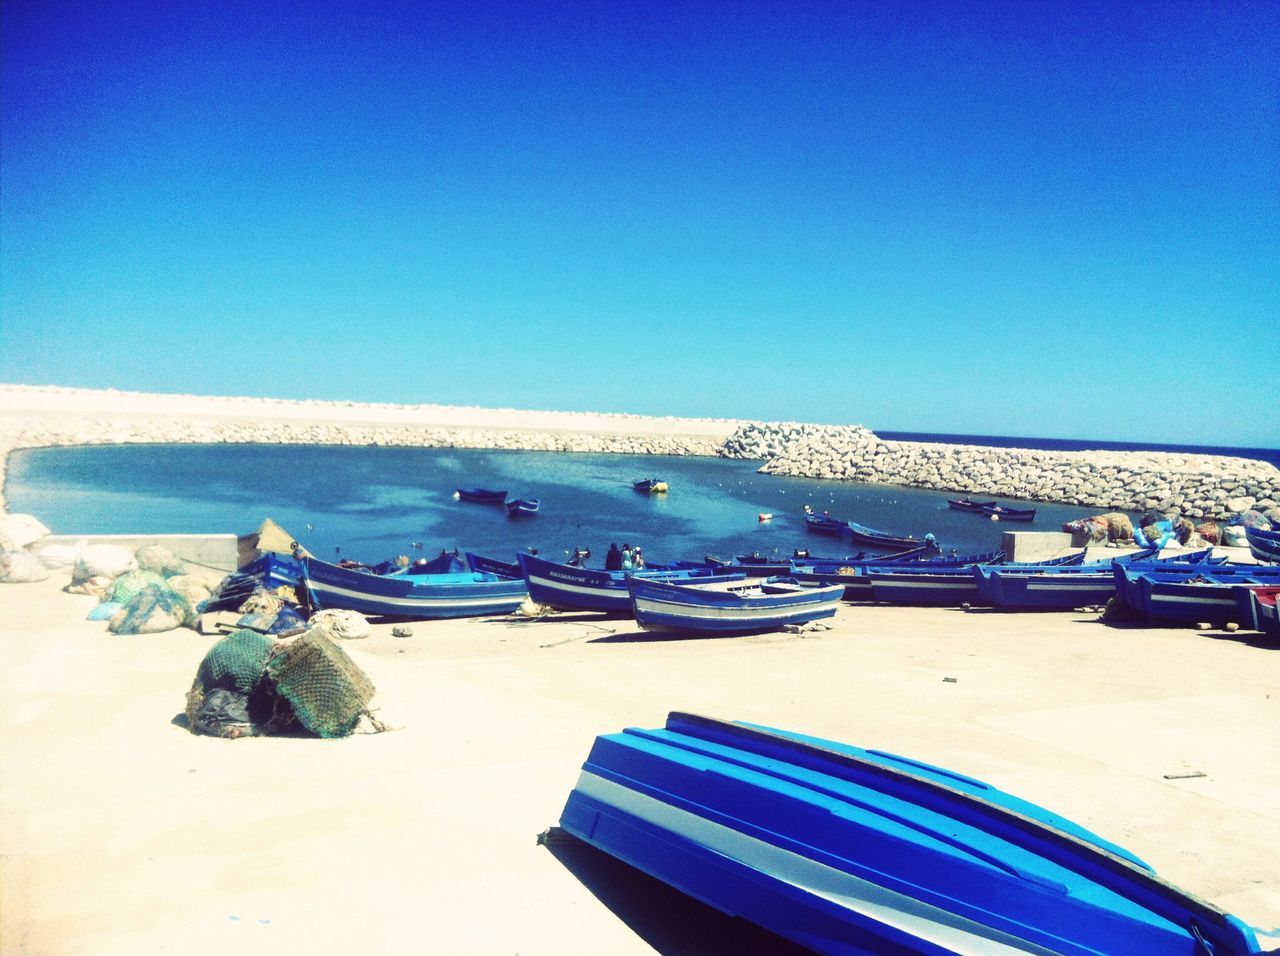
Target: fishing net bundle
<point>162,561</point>
<point>153,609</point>
<point>250,684</point>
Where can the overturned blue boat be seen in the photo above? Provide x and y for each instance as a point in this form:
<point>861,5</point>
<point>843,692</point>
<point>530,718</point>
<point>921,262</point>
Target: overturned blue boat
<point>480,496</point>
<point>852,851</point>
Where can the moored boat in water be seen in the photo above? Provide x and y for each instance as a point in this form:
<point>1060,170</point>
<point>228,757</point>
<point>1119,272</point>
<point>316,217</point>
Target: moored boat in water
<point>519,507</point>
<point>852,851</point>
<point>482,496</point>
<point>650,486</point>
<point>1009,514</point>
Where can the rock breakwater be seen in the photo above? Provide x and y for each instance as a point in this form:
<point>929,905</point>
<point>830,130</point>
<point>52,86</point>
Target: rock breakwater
<point>1198,486</point>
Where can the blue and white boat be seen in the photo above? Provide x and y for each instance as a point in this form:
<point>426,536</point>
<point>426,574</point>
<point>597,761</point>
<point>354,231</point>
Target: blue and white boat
<point>855,576</point>
<point>851,851</point>
<point>592,589</point>
<point>1264,545</point>
<point>411,596</point>
<point>519,507</point>
<point>503,569</point>
<point>1192,594</point>
<point>1047,589</point>
<point>729,607</point>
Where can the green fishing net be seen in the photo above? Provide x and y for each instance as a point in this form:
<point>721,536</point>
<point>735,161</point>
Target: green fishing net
<point>326,689</point>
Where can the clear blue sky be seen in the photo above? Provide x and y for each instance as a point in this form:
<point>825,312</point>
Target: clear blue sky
<point>1013,218</point>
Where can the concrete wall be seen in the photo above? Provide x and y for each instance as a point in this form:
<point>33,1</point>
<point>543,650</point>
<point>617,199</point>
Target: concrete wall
<point>217,551</point>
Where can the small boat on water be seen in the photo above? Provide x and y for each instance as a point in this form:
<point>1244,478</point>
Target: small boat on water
<point>964,504</point>
<point>650,486</point>
<point>519,507</point>
<point>481,496</point>
<point>879,539</point>
<point>592,589</point>
<point>728,607</point>
<point>1009,514</point>
<point>823,524</point>
<point>408,595</point>
<point>1264,545</point>
<point>850,851</point>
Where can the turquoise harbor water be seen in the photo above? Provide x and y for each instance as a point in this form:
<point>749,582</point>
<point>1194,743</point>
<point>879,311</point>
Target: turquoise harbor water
<point>374,503</point>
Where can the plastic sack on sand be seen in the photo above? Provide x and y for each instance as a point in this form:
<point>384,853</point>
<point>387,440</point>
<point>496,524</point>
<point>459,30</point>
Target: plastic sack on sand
<point>289,619</point>
<point>104,611</point>
<point>102,561</point>
<point>60,557</point>
<point>1233,536</point>
<point>152,557</point>
<point>18,531</point>
<point>21,567</point>
<point>154,609</point>
<point>347,625</point>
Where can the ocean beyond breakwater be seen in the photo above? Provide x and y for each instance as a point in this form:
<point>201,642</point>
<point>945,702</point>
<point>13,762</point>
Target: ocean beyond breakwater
<point>1198,486</point>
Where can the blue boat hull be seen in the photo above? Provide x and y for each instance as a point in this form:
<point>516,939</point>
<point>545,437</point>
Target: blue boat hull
<point>411,596</point>
<point>850,851</point>
<point>1047,590</point>
<point>1264,545</point>
<point>755,608</point>
<point>589,589</point>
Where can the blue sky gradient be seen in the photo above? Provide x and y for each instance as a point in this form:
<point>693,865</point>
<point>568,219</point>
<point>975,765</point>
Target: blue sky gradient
<point>1008,218</point>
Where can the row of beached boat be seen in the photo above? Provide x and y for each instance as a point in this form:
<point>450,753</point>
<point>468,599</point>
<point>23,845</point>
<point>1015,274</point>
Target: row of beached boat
<point>751,594</point>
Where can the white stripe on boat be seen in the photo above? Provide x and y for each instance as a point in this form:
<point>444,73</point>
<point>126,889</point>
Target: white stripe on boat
<point>735,611</point>
<point>918,919</point>
<point>619,593</point>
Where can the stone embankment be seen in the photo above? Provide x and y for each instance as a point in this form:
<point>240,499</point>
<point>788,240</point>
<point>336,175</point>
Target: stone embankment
<point>1198,486</point>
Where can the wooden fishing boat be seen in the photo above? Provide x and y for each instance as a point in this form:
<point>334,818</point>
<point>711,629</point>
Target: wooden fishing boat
<point>847,851</point>
<point>481,496</point>
<point>1165,594</point>
<point>592,589</point>
<point>519,507</point>
<point>1047,589</point>
<point>1262,610</point>
<point>650,486</point>
<point>728,607</point>
<point>410,596</point>
<point>1264,545</point>
<point>934,584</point>
<point>503,569</point>
<point>854,576</point>
<point>1009,514</point>
<point>822,524</point>
<point>964,504</point>
<point>879,539</point>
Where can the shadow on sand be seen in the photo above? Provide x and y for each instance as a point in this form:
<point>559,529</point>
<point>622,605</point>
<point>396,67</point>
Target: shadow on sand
<point>671,922</point>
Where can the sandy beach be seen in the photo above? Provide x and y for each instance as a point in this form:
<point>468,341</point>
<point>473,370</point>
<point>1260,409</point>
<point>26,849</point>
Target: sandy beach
<point>122,833</point>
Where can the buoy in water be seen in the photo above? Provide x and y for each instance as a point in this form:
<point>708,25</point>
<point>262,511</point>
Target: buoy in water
<point>995,517</point>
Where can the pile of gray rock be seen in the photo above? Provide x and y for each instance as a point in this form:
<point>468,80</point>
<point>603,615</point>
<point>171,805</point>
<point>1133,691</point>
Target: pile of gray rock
<point>1198,486</point>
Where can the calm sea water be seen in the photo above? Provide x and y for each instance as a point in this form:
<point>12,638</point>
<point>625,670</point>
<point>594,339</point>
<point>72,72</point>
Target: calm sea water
<point>375,503</point>
<point>1271,455</point>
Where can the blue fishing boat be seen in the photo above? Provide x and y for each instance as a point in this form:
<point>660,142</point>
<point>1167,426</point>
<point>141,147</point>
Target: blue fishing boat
<point>1047,589</point>
<point>519,507</point>
<point>879,539</point>
<point>408,595</point>
<point>1009,514</point>
<point>965,504</point>
<point>928,585</point>
<point>1195,593</point>
<point>1262,614</point>
<point>851,851</point>
<point>481,496</point>
<point>854,576</point>
<point>650,486</point>
<point>822,524</point>
<point>591,589</point>
<point>1263,544</point>
<point>729,607</point>
<point>503,569</point>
